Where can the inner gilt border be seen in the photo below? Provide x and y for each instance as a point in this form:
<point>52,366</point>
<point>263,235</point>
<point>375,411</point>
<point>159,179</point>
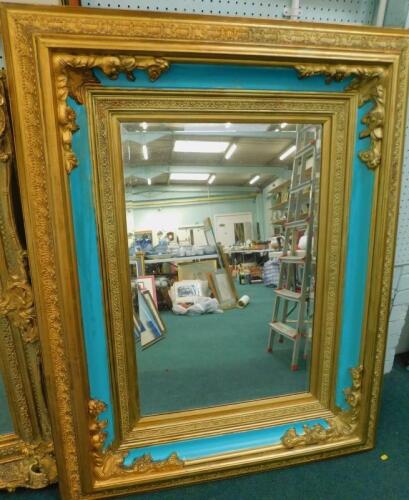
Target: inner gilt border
<point>106,106</point>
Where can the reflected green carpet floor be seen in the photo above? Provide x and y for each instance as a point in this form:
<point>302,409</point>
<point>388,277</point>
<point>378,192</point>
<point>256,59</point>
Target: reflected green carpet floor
<point>361,476</point>
<point>217,359</point>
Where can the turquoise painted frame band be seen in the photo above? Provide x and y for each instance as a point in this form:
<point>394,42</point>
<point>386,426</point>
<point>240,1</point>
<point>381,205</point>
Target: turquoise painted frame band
<point>203,76</point>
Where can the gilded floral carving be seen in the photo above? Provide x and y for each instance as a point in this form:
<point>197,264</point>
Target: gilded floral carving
<point>16,302</point>
<point>109,463</point>
<point>342,425</point>
<point>74,72</point>
<point>369,82</point>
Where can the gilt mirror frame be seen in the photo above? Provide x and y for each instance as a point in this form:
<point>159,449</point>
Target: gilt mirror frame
<point>72,67</point>
<point>26,450</point>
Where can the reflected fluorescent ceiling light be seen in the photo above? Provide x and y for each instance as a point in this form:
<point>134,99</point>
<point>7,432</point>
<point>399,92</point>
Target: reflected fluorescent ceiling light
<point>254,179</point>
<point>228,124</point>
<point>200,146</point>
<point>145,151</point>
<point>211,179</point>
<point>230,151</point>
<point>283,125</point>
<point>144,125</point>
<point>287,152</point>
<point>149,181</point>
<point>188,177</point>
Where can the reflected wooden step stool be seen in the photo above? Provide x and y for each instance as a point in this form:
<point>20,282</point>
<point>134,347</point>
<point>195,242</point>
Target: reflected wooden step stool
<point>293,291</point>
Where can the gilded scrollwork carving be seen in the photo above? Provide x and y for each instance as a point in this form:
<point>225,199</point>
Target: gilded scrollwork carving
<point>5,147</point>
<point>17,303</point>
<point>109,463</point>
<point>369,83</point>
<point>74,72</point>
<point>35,470</point>
<point>344,423</point>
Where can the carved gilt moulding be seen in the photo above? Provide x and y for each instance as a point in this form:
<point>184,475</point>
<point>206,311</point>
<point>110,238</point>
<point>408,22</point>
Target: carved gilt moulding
<point>26,456</point>
<point>108,463</point>
<point>74,72</point>
<point>375,63</point>
<point>111,107</point>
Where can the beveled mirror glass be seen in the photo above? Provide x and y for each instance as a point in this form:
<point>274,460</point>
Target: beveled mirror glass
<point>218,222</point>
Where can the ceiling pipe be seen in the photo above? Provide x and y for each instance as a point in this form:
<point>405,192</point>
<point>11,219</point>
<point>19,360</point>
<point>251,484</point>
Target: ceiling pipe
<point>294,11</point>
<point>380,15</point>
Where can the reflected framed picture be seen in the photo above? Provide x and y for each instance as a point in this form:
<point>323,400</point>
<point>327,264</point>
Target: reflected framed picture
<point>148,298</point>
<point>150,325</point>
<point>148,283</point>
<point>222,289</point>
<point>139,263</point>
<point>187,291</point>
<point>196,270</point>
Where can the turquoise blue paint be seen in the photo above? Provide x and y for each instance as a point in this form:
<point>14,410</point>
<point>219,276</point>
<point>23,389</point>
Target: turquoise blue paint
<point>356,269</point>
<point>205,447</point>
<point>205,77</point>
<point>85,230</point>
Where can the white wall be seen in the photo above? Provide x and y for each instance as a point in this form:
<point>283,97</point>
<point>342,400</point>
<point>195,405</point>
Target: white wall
<point>172,217</point>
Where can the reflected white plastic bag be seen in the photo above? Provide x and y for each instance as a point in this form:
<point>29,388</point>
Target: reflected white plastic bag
<point>203,305</point>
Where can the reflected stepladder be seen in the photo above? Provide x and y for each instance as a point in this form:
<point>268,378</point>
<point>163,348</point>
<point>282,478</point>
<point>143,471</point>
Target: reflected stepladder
<point>222,223</point>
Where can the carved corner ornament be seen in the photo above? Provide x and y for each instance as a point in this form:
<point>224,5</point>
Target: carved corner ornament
<point>37,469</point>
<point>72,74</point>
<point>109,463</point>
<point>342,425</point>
<point>369,82</point>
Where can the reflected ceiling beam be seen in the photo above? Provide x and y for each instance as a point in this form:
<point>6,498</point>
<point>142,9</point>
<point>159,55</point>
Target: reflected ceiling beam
<point>152,171</point>
<point>184,201</point>
<point>146,137</point>
<point>201,189</point>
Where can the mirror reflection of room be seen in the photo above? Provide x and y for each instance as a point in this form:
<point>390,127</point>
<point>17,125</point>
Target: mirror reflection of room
<point>222,231</point>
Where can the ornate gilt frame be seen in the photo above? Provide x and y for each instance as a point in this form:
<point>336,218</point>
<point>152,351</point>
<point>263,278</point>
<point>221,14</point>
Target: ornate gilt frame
<point>26,455</point>
<point>107,110</point>
<point>52,52</point>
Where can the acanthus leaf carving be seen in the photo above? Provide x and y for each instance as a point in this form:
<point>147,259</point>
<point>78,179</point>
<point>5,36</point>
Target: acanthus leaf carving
<point>369,82</point>
<point>344,423</point>
<point>73,72</point>
<point>109,463</point>
<point>17,303</point>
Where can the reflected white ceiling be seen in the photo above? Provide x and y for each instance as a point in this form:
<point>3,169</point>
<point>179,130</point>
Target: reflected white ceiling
<point>258,149</point>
